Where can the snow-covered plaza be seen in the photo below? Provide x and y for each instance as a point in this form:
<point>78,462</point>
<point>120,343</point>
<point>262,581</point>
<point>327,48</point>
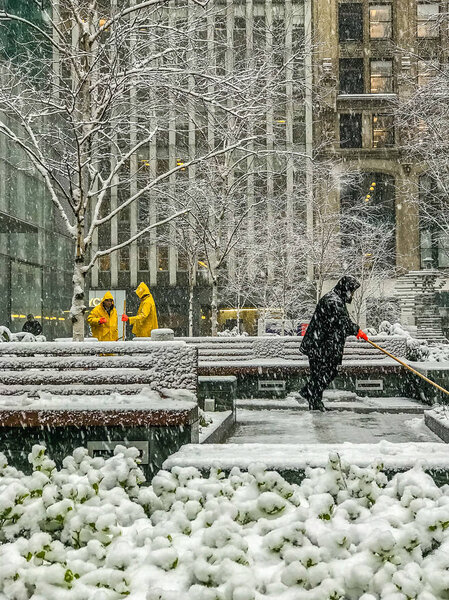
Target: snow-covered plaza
<point>224,303</point>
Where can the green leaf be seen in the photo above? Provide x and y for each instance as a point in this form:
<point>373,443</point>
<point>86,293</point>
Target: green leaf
<point>68,576</point>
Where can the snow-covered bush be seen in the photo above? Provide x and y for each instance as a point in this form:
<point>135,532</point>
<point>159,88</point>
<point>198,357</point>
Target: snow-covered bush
<point>417,350</point>
<point>5,334</point>
<point>91,531</point>
<point>234,332</point>
<point>21,336</point>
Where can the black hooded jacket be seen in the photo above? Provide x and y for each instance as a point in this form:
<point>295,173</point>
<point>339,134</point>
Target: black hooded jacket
<point>330,325</point>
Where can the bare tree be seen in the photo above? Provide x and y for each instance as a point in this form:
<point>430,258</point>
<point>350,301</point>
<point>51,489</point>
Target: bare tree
<point>88,94</point>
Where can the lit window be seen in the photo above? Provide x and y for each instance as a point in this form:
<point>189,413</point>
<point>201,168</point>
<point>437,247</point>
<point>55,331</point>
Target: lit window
<point>427,20</point>
<point>381,77</point>
<point>144,263</point>
<point>105,263</point>
<point>124,259</point>
<point>162,258</point>
<point>383,131</point>
<point>202,262</point>
<point>426,72</point>
<point>380,21</point>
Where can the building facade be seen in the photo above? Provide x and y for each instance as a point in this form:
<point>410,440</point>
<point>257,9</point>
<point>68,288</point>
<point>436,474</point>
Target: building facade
<point>370,56</point>
<point>236,32</point>
<point>35,253</point>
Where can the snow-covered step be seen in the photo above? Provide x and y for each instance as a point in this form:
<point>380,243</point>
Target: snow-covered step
<point>297,457</point>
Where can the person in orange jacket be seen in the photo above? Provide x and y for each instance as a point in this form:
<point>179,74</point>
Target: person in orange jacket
<point>103,320</point>
<point>146,319</point>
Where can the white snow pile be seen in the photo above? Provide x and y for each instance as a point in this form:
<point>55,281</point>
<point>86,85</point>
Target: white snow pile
<point>22,336</point>
<point>90,531</point>
<point>441,412</point>
<point>234,332</point>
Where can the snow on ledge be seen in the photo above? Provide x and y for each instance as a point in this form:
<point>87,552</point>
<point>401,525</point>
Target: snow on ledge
<point>147,400</point>
<point>297,457</point>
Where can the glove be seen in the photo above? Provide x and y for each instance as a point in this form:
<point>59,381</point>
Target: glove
<point>103,320</point>
<point>362,336</point>
<point>125,318</point>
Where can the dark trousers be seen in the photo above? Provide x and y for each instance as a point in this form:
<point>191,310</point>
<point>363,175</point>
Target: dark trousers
<point>322,372</point>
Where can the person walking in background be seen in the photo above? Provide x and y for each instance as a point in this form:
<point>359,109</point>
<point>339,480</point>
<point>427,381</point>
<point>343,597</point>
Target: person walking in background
<point>31,325</point>
<point>325,337</point>
<point>103,320</point>
<point>146,319</point>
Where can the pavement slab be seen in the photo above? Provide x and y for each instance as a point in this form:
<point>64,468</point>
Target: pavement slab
<point>312,427</point>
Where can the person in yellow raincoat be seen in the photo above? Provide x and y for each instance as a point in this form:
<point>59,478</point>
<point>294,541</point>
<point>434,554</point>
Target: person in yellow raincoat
<point>146,318</point>
<point>103,320</point>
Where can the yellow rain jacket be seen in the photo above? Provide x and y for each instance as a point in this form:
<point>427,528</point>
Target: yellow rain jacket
<point>146,318</point>
<point>104,332</point>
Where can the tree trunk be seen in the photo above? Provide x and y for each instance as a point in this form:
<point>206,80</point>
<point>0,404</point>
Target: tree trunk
<point>238,314</point>
<point>78,307</point>
<point>191,287</point>
<point>214,306</point>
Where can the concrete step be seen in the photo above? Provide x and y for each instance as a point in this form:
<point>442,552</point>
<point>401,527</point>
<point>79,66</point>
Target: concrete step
<point>338,402</point>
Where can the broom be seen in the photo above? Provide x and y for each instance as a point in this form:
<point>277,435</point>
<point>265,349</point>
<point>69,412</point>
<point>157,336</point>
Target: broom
<point>409,367</point>
<point>124,322</point>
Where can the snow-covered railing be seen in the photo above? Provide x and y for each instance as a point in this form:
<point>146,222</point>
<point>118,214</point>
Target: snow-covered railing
<point>96,367</point>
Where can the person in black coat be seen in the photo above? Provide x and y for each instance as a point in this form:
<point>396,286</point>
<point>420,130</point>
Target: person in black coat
<point>32,325</point>
<point>325,337</point>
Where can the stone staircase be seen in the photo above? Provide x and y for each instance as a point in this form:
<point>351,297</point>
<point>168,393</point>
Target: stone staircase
<point>416,292</point>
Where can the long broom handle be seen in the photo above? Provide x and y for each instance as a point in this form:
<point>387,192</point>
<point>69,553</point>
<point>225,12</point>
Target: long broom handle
<point>409,367</point>
<point>124,323</point>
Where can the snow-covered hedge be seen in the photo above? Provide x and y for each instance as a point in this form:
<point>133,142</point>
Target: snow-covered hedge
<point>22,336</point>
<point>90,531</point>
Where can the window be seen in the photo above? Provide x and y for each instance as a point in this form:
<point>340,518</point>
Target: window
<point>162,258</point>
<point>427,20</point>
<point>380,27</point>
<point>351,76</point>
<point>426,72</point>
<point>351,131</point>
<point>434,240</point>
<point>368,214</point>
<point>202,262</point>
<point>104,263</point>
<point>144,262</point>
<point>124,259</point>
<point>183,264</point>
<point>383,131</point>
<point>381,77</point>
<point>350,22</point>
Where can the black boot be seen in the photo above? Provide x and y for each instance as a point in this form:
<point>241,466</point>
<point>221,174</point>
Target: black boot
<point>317,405</point>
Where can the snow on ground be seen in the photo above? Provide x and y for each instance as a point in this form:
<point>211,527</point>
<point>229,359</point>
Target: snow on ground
<point>311,427</point>
<point>90,532</point>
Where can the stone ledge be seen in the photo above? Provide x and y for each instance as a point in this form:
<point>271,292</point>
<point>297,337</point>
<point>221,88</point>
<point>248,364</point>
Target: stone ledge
<point>91,418</point>
<point>436,424</point>
<point>297,457</point>
<point>220,430</point>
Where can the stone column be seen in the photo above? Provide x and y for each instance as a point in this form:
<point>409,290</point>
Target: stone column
<point>407,221</point>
